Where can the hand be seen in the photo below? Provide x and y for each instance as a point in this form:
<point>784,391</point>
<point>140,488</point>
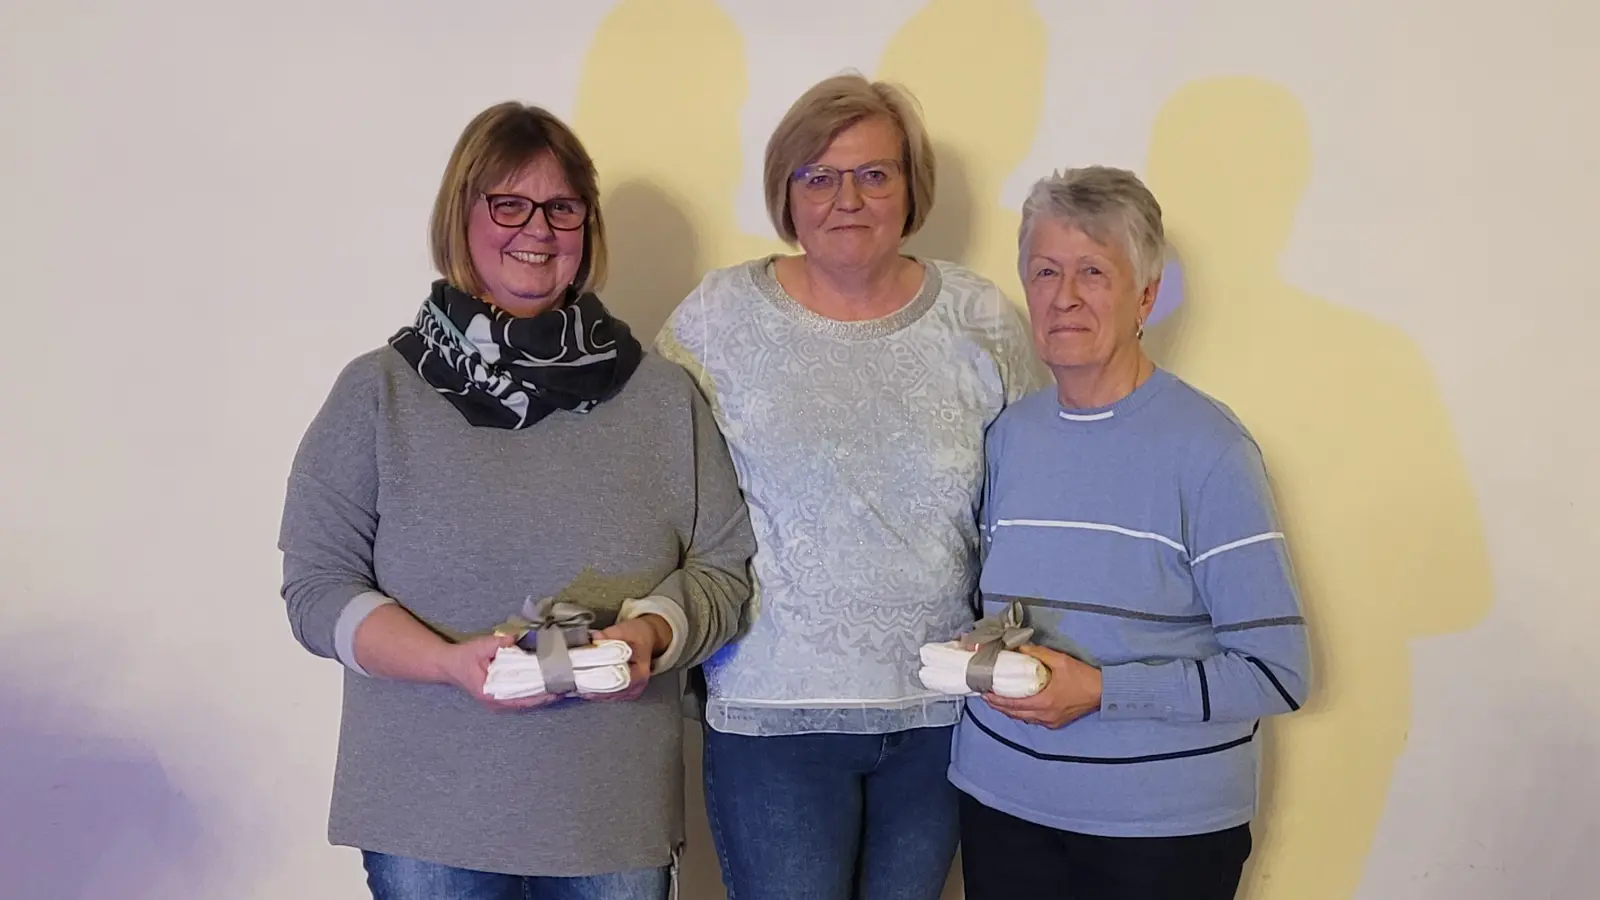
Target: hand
<point>647,636</point>
<point>466,665</point>
<point>1072,693</point>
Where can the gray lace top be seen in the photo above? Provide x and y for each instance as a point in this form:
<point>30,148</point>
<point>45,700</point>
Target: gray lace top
<point>859,448</point>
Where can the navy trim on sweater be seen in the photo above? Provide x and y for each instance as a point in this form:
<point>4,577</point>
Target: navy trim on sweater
<point>1113,760</point>
<point>1275,682</point>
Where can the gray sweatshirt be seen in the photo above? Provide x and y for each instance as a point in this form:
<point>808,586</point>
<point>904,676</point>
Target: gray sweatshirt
<point>393,495</point>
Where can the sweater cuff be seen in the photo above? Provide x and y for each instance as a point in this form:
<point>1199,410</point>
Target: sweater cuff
<point>350,618</point>
<point>1142,691</point>
<point>677,621</point>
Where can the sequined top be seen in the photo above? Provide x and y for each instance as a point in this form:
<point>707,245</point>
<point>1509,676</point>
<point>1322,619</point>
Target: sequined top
<point>859,447</point>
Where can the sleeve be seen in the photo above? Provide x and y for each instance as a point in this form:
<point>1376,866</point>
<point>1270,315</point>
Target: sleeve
<point>329,521</point>
<point>1242,572</point>
<point>986,507</point>
<point>1021,371</point>
<point>704,599</point>
<point>993,448</point>
<point>671,346</point>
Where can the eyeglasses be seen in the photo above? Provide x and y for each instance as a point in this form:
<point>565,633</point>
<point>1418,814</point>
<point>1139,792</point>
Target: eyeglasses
<point>515,211</point>
<point>876,179</point>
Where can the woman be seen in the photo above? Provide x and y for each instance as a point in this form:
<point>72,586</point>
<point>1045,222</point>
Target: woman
<point>1130,515</point>
<point>512,444</point>
<point>853,385</point>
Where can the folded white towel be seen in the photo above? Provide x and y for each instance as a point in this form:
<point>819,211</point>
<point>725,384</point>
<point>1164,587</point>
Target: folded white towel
<point>944,669</point>
<point>598,668</point>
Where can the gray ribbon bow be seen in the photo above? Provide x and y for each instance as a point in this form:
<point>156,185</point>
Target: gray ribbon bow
<point>1002,631</point>
<point>551,626</point>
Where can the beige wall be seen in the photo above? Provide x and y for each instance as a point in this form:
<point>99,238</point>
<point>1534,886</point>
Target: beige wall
<point>1384,214</point>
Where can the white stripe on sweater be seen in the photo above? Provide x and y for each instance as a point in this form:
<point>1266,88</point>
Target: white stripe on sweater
<point>1234,545</point>
<point>1093,526</point>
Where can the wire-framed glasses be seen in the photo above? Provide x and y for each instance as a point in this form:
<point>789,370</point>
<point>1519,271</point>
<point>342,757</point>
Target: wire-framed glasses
<point>877,179</point>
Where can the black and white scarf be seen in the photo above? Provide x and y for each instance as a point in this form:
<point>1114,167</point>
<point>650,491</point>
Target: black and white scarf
<point>501,371</point>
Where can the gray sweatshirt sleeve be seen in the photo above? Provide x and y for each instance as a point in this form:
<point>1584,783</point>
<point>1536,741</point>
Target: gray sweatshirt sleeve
<point>713,584</point>
<point>330,517</point>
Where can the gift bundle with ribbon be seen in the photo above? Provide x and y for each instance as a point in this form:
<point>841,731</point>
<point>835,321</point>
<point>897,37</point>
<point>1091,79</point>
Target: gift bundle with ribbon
<point>985,659</point>
<point>555,653</point>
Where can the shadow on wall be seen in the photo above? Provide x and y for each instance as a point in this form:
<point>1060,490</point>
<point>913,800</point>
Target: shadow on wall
<point>668,135</point>
<point>83,813</point>
<point>977,68</point>
<point>1380,516</point>
<point>947,233</point>
<point>653,251</point>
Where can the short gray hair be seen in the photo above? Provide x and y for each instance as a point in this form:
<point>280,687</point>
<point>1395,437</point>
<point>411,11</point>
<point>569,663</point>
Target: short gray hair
<point>1105,204</point>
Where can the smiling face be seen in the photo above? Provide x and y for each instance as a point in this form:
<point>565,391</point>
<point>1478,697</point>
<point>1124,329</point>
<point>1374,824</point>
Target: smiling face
<point>851,230</point>
<point>526,270</point>
<point>1084,300</point>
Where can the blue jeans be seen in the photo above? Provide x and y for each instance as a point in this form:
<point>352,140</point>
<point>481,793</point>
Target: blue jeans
<point>832,816</point>
<point>402,878</point>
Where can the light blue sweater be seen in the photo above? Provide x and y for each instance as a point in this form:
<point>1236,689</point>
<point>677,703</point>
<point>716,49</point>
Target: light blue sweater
<point>1142,538</point>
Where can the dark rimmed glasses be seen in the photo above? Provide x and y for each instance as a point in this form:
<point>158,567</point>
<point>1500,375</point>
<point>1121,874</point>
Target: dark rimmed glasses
<point>516,211</point>
<point>820,184</point>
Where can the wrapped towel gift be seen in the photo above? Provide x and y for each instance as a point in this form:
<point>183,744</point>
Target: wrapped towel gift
<point>598,668</point>
<point>945,666</point>
<point>985,659</point>
<point>555,653</point>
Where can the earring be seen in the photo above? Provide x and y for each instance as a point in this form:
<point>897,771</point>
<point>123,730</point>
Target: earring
<point>1138,335</point>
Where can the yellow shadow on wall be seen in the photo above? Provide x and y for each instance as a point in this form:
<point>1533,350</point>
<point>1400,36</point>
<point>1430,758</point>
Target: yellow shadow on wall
<point>1382,522</point>
<point>658,108</point>
<point>977,67</point>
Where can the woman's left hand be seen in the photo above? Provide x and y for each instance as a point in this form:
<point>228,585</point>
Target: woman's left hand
<point>647,636</point>
<point>1072,692</point>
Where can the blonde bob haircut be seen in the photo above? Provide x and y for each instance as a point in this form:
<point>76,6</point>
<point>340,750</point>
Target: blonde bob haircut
<point>821,113</point>
<point>497,144</point>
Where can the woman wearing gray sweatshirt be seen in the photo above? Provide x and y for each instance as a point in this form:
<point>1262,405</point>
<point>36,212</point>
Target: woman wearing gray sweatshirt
<point>513,444</point>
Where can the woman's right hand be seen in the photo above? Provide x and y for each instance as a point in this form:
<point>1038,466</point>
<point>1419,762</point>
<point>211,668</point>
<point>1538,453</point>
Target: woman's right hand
<point>466,665</point>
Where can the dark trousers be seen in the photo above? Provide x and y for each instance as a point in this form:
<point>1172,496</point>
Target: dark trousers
<point>1004,857</point>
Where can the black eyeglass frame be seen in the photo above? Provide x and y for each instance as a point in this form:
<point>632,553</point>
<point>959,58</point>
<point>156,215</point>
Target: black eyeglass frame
<point>534,207</point>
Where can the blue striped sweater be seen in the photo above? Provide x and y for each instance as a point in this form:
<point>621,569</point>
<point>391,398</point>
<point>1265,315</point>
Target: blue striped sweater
<point>1142,538</point>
